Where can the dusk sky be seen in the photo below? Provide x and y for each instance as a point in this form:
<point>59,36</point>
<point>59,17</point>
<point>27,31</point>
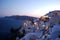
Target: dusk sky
<point>35,8</point>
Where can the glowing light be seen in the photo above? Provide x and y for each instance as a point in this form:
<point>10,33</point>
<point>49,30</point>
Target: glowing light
<point>25,24</point>
<point>44,10</point>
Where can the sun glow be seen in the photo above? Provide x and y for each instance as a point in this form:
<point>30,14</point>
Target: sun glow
<point>45,10</point>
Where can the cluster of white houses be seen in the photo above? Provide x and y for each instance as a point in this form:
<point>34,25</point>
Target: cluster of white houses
<point>43,28</point>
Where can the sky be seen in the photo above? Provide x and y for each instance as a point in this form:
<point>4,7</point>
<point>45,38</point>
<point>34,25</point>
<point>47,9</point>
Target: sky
<point>34,8</point>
